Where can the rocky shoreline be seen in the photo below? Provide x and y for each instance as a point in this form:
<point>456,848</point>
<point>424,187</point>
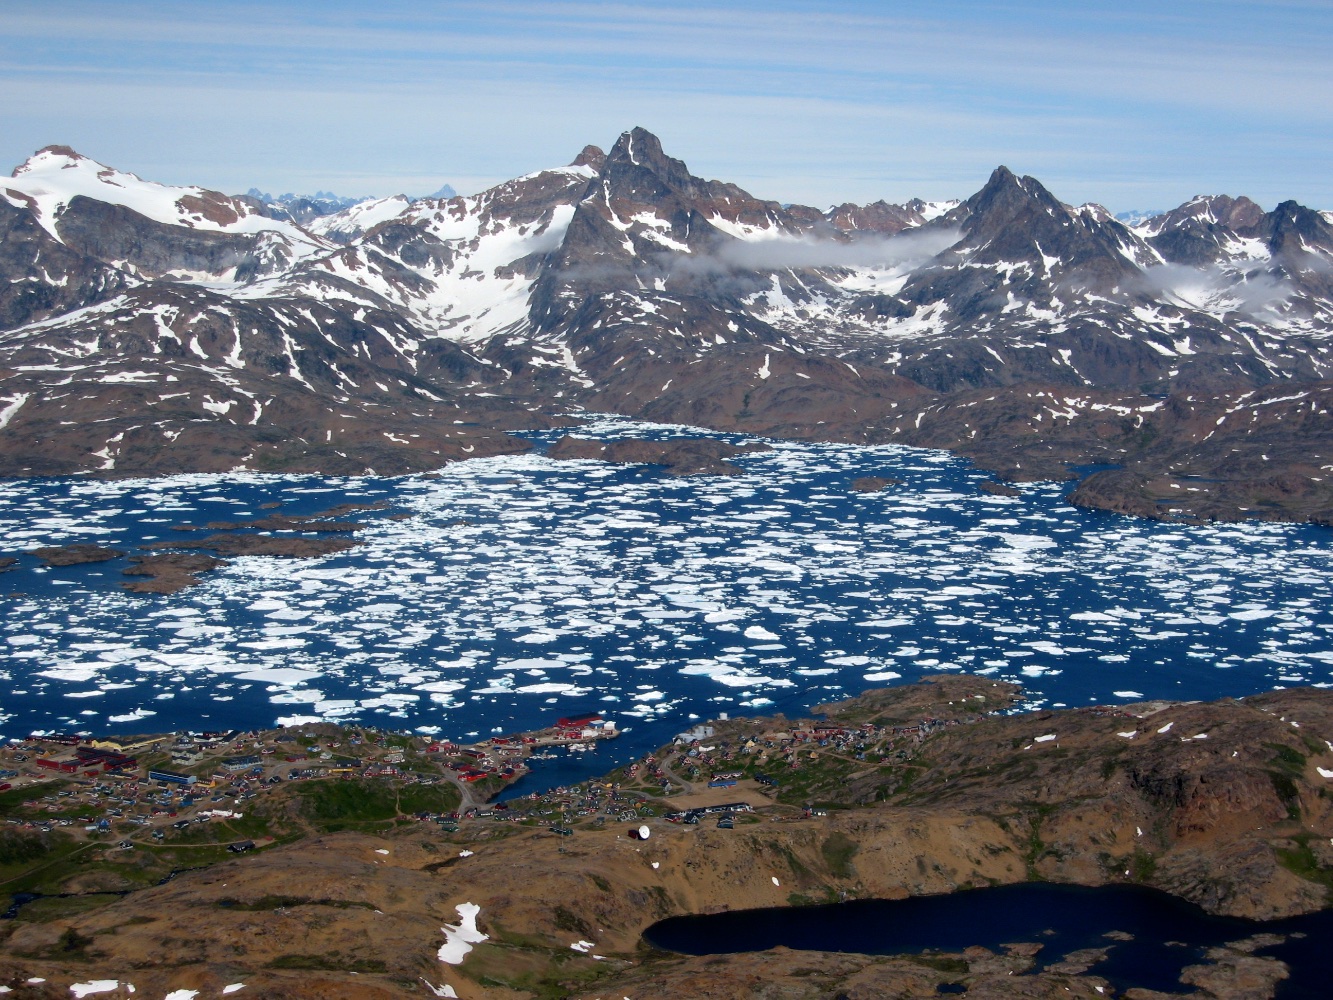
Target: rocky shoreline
<point>1168,466</point>
<point>1224,804</point>
<point>173,565</point>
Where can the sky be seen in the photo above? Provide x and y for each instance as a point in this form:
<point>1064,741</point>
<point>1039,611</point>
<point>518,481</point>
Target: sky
<point>1133,104</point>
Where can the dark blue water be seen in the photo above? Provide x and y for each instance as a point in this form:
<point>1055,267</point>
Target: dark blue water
<point>521,589</point>
<point>1168,934</point>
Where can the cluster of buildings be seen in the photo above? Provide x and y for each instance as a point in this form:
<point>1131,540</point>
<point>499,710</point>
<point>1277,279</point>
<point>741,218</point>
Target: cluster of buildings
<point>151,780</point>
<point>172,780</point>
<point>691,816</point>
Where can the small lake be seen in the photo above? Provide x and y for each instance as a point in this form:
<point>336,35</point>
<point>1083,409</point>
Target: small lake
<point>1167,933</point>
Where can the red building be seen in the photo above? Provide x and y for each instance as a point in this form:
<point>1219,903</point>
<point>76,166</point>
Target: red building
<point>578,721</point>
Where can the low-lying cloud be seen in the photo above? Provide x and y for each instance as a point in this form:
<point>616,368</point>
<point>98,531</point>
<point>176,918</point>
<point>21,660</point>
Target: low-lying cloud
<point>903,251</point>
<point>1212,287</point>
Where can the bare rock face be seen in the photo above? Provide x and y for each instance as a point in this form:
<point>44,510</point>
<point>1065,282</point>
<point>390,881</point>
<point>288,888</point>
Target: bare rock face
<point>113,232</point>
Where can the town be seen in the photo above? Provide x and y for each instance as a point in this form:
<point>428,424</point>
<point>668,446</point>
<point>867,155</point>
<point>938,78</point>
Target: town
<point>154,788</point>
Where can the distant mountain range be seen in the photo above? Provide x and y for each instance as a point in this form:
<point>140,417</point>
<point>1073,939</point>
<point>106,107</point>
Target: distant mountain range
<point>305,209</point>
<point>148,329</point>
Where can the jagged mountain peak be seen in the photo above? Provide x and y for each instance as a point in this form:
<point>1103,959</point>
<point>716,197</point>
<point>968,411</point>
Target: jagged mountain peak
<point>1005,192</point>
<point>883,217</point>
<point>590,156</point>
<point>351,222</point>
<point>1016,219</point>
<point>1212,230</point>
<point>1237,214</point>
<point>637,160</point>
<point>1093,210</point>
<point>649,145</point>
<point>639,181</point>
<point>1025,257</point>
<point>1003,212</point>
<point>65,166</point>
<point>49,155</point>
<point>1294,228</point>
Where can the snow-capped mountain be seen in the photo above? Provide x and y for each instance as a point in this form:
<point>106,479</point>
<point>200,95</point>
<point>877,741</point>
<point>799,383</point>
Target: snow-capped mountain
<point>349,222</point>
<point>148,327</point>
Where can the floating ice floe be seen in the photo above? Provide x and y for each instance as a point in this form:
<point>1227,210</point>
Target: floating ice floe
<point>135,716</point>
<point>634,572</point>
<point>882,675</point>
<point>1252,615</point>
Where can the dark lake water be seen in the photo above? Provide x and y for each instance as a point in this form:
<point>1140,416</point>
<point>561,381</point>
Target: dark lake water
<point>520,589</point>
<point>1168,934</point>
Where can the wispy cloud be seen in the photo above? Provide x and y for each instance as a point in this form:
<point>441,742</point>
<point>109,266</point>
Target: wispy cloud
<point>1258,293</point>
<point>813,102</point>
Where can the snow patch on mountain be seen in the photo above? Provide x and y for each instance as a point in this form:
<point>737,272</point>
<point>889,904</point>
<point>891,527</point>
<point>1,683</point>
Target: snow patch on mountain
<point>53,177</point>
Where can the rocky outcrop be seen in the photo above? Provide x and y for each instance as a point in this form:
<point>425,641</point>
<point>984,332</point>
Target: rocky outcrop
<point>169,572</point>
<point>76,554</point>
<point>873,484</point>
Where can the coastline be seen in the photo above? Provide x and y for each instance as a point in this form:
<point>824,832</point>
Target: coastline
<point>978,799</point>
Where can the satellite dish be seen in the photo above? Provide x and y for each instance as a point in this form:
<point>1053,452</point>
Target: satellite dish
<point>644,833</point>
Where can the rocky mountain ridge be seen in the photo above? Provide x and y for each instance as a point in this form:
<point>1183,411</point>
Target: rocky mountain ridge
<point>150,329</point>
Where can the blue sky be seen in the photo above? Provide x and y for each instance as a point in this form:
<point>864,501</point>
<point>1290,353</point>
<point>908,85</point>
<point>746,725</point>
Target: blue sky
<point>1133,104</point>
